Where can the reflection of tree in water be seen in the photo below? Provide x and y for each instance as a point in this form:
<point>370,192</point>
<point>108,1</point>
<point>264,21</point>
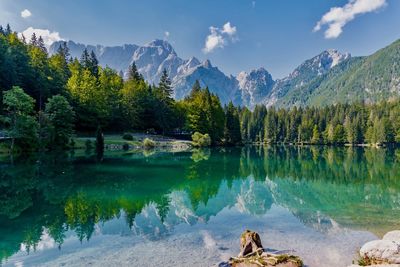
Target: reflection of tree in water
<point>61,193</point>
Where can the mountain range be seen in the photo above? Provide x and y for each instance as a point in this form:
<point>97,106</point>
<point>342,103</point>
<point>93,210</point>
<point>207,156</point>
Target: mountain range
<point>328,78</point>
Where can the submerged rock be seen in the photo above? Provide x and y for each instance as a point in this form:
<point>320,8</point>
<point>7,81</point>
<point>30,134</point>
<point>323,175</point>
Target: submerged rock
<point>252,254</point>
<point>384,252</point>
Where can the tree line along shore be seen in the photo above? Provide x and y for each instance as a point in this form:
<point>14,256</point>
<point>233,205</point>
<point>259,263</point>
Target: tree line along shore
<point>46,100</point>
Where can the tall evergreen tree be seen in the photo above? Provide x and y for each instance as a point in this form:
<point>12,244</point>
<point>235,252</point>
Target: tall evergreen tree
<point>196,88</point>
<point>40,44</point>
<point>133,73</point>
<point>94,64</point>
<point>8,30</point>
<point>34,40</point>
<point>165,85</point>
<point>232,134</point>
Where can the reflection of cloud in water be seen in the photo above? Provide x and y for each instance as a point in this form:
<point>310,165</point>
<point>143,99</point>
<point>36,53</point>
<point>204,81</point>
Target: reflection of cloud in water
<point>46,242</point>
<point>209,242</point>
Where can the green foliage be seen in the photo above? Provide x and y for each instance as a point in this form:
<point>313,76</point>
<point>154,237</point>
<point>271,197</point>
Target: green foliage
<point>316,136</point>
<point>232,134</point>
<point>148,143</point>
<point>201,140</point>
<point>128,137</point>
<point>83,96</point>
<point>337,124</point>
<point>61,117</point>
<point>22,126</point>
<point>204,113</point>
<point>371,79</point>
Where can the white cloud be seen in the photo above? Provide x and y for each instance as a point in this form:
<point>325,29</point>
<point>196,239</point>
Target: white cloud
<point>337,17</point>
<point>166,34</point>
<point>228,29</point>
<point>25,13</point>
<point>48,37</point>
<point>219,38</point>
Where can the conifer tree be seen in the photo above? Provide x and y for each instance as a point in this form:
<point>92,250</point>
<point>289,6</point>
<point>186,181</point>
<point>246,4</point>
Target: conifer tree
<point>133,73</point>
<point>232,134</point>
<point>40,44</point>
<point>94,64</point>
<point>8,30</point>
<point>196,88</point>
<point>165,85</point>
<point>34,41</point>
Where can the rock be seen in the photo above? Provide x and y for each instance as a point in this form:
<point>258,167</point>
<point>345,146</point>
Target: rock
<point>376,265</point>
<point>392,236</point>
<point>252,254</point>
<point>381,251</point>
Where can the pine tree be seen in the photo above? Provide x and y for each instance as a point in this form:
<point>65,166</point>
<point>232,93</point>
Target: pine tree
<point>316,137</point>
<point>40,44</point>
<point>8,30</point>
<point>85,59</point>
<point>232,134</point>
<point>94,64</point>
<point>165,85</point>
<point>133,73</point>
<point>196,88</point>
<point>34,41</point>
<point>63,51</point>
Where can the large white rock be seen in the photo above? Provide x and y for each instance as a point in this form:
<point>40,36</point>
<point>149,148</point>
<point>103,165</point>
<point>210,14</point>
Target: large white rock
<point>378,265</point>
<point>385,250</point>
<point>392,236</point>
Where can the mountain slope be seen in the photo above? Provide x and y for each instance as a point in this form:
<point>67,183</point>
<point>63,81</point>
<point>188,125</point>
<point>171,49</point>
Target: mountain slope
<point>254,86</point>
<point>305,73</point>
<point>328,78</point>
<point>152,58</point>
<point>370,79</point>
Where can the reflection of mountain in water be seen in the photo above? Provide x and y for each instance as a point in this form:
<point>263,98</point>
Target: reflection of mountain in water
<point>327,189</point>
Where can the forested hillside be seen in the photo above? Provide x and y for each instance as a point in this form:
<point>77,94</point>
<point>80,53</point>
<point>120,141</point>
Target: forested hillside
<point>46,99</point>
<point>370,79</point>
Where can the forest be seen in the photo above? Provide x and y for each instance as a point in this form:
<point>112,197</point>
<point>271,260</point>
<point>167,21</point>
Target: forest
<point>48,99</point>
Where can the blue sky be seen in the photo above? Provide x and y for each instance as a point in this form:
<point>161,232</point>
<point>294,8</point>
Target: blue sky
<point>275,34</point>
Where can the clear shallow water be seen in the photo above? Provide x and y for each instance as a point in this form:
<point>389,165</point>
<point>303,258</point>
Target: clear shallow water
<point>189,208</point>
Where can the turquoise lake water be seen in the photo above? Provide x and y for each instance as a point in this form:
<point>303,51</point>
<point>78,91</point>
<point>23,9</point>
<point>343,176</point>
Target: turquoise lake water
<point>189,208</point>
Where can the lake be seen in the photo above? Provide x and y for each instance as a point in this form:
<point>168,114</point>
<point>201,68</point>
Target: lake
<point>189,208</point>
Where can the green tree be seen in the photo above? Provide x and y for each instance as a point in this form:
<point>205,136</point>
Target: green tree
<point>133,73</point>
<point>232,134</point>
<point>23,127</point>
<point>61,117</point>
<point>316,137</point>
<point>164,103</point>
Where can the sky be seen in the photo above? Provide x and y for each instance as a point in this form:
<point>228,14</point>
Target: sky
<point>236,35</point>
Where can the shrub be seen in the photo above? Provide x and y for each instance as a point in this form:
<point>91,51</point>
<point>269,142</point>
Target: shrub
<point>127,136</point>
<point>148,143</point>
<point>125,146</point>
<point>201,140</point>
